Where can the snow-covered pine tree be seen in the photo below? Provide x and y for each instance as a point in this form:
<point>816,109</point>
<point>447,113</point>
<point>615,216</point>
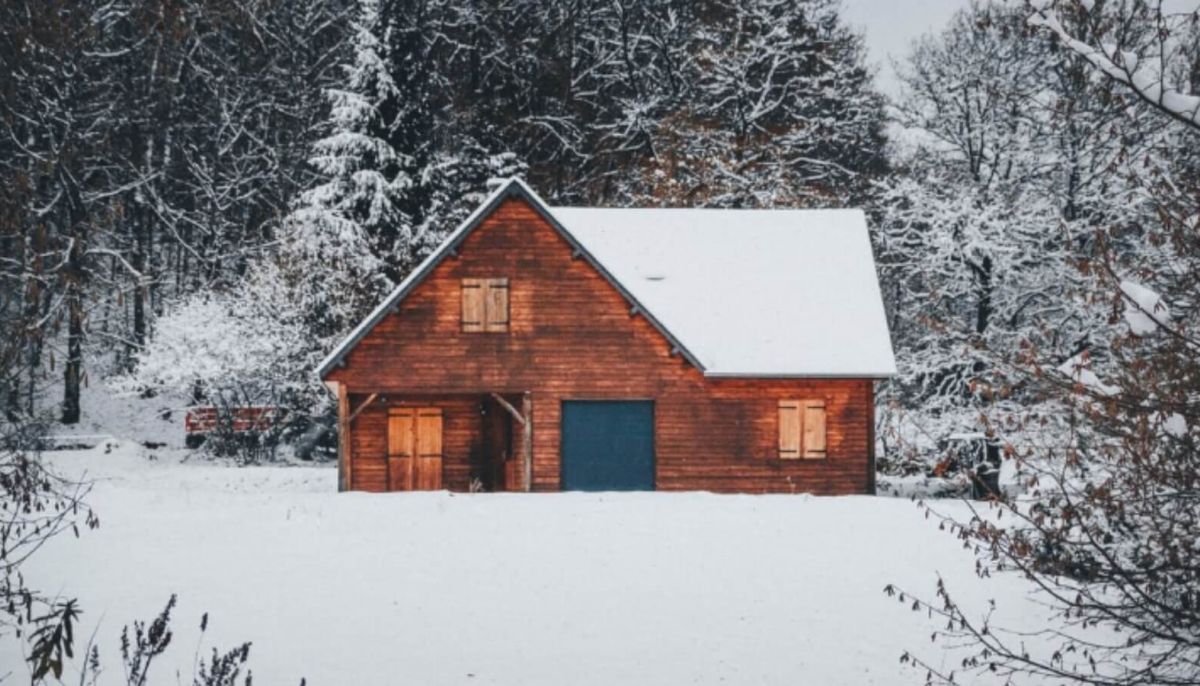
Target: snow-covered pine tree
<point>329,246</point>
<point>438,123</point>
<point>390,175</point>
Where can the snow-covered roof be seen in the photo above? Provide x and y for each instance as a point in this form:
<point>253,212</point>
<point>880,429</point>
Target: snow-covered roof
<point>754,293</point>
<point>751,292</point>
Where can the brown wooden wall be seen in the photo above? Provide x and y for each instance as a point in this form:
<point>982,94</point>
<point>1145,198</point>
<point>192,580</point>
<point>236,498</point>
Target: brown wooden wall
<point>571,337</point>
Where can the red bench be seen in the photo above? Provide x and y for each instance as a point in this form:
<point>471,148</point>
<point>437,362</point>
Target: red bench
<point>201,421</point>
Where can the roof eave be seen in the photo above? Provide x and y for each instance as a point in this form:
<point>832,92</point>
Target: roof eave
<point>800,375</point>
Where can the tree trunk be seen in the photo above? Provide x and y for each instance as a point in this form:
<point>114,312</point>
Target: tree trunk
<point>983,311</point>
<point>73,278</point>
<point>138,259</point>
<point>73,370</point>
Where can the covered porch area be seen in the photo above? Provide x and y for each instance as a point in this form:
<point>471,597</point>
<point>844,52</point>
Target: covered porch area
<point>465,442</point>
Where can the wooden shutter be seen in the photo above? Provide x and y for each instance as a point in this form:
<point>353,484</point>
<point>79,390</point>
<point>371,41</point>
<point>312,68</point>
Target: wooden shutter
<point>429,450</point>
<point>790,420</point>
<point>496,305</point>
<point>401,448</point>
<point>814,428</point>
<point>485,305</point>
<point>473,291</point>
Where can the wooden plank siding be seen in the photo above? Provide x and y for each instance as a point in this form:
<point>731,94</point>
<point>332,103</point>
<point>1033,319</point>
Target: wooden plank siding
<point>461,440</point>
<point>571,336</point>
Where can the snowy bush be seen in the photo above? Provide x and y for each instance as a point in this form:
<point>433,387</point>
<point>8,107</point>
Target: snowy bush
<point>228,352</point>
<point>210,341</point>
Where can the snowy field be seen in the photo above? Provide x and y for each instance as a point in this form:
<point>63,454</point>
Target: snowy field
<point>432,588</point>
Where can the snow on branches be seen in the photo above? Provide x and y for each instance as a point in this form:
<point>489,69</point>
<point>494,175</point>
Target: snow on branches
<point>1141,62</point>
<point>1104,519</point>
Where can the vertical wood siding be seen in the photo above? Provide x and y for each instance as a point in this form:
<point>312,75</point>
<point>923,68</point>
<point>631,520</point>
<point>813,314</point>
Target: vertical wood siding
<point>571,337</point>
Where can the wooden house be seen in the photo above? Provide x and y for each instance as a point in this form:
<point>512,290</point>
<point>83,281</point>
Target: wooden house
<point>547,348</point>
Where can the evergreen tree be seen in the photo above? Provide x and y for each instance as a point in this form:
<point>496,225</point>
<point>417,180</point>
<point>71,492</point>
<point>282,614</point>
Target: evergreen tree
<point>445,165</point>
<point>327,269</point>
<point>353,214</point>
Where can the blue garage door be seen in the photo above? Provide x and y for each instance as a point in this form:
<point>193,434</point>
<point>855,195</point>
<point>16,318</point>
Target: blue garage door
<point>608,445</point>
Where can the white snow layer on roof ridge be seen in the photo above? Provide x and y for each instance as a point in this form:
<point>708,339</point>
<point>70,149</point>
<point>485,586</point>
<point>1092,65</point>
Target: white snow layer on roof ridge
<point>755,293</point>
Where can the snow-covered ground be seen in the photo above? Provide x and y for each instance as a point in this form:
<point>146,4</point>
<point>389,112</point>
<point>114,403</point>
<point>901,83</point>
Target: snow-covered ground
<point>433,588</point>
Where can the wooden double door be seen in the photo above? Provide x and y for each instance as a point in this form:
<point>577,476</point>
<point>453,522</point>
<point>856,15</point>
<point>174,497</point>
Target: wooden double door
<point>414,449</point>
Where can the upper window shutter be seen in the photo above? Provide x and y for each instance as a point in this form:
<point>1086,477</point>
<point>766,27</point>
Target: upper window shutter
<point>496,305</point>
<point>814,428</point>
<point>473,304</point>
<point>789,429</point>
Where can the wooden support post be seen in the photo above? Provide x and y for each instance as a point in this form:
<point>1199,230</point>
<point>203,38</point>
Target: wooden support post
<point>508,406</point>
<point>344,482</point>
<point>370,399</point>
<point>527,439</point>
<point>871,438</point>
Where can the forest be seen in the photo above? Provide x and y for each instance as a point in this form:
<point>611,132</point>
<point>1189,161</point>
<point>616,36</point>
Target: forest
<point>189,170</point>
<point>204,196</point>
<point>201,197</point>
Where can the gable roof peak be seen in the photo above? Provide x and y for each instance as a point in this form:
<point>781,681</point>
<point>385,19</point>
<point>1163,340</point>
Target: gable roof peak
<point>508,188</point>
